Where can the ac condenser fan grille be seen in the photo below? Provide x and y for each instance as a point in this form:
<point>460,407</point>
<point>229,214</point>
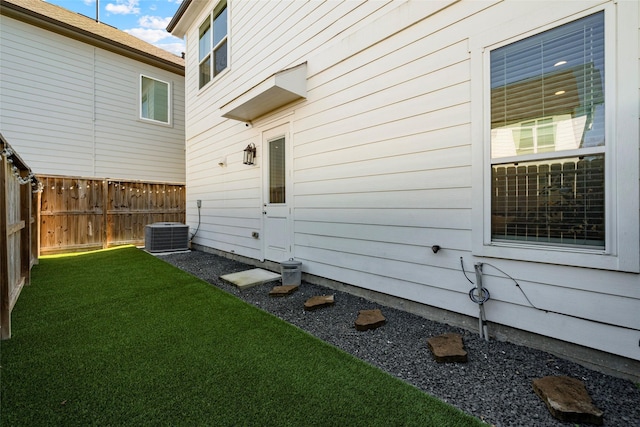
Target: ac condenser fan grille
<point>166,237</point>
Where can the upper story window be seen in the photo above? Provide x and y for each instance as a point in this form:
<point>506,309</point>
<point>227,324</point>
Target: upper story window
<point>154,100</point>
<point>212,47</point>
<point>548,137</point>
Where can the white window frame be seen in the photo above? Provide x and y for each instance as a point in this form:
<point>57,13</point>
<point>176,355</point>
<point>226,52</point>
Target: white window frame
<point>212,48</point>
<point>622,164</point>
<point>169,103</point>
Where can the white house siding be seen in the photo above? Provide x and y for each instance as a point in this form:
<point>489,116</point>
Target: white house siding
<point>73,109</point>
<point>126,145</point>
<point>383,160</point>
<point>231,196</point>
<point>46,98</point>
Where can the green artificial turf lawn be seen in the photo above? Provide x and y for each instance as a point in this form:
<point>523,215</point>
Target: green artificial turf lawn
<point>120,337</point>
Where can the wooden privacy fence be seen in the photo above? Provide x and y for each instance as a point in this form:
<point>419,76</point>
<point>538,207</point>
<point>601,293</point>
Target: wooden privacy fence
<point>18,228</point>
<point>79,214</point>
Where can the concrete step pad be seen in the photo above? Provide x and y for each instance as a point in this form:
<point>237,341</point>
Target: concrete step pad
<point>249,278</point>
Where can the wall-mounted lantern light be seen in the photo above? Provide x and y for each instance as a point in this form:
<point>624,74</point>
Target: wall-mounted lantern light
<point>249,154</point>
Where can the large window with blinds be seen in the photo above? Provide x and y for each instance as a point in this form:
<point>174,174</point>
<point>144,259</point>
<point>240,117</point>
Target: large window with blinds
<point>212,45</point>
<point>548,137</point>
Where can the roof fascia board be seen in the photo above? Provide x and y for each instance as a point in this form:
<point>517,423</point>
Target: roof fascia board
<point>177,17</point>
<point>185,16</point>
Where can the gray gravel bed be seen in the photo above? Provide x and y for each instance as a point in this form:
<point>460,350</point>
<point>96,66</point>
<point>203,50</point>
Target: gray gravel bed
<point>495,384</point>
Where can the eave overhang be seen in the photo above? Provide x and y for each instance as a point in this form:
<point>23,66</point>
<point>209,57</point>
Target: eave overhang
<point>280,89</point>
<point>187,13</point>
<point>178,15</point>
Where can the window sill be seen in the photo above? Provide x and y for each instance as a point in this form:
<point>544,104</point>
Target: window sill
<point>575,257</point>
<point>155,122</point>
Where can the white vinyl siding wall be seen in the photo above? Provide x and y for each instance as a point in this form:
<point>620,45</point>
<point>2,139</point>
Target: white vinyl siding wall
<point>383,161</point>
<point>73,109</point>
<point>232,196</point>
<point>46,97</point>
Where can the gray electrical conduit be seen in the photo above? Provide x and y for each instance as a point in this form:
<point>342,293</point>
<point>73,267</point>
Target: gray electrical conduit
<point>199,218</point>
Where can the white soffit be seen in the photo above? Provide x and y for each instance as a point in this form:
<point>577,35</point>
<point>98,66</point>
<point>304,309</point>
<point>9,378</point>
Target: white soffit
<point>279,89</point>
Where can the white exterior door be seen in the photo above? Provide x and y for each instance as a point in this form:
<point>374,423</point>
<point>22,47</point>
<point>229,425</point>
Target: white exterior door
<point>276,209</point>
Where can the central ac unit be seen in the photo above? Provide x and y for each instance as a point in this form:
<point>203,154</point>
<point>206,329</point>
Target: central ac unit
<point>166,237</point>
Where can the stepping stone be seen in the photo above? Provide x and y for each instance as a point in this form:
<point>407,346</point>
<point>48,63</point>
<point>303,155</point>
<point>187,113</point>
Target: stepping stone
<point>448,348</point>
<point>317,302</point>
<point>567,399</point>
<point>284,290</point>
<point>369,319</point>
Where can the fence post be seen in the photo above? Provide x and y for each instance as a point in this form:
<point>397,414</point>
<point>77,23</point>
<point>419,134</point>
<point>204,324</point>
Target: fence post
<point>105,213</point>
<point>35,230</point>
<point>5,300</point>
<point>25,233</point>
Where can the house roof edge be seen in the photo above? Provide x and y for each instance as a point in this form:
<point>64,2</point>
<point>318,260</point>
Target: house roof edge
<point>164,60</point>
<point>178,15</point>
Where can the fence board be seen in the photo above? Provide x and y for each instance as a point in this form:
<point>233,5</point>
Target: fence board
<point>81,213</point>
<point>17,228</point>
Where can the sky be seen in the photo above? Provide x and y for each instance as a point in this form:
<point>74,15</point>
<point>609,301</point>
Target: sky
<point>145,19</point>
